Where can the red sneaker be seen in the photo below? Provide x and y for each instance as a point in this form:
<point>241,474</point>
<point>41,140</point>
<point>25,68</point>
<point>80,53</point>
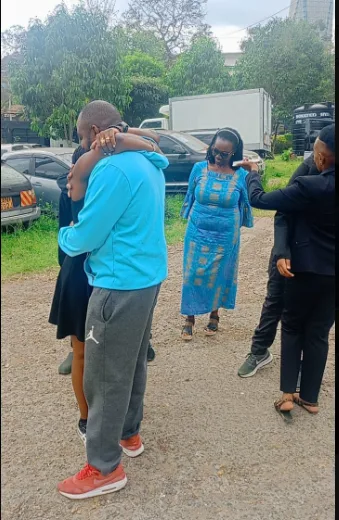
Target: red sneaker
<point>89,482</point>
<point>133,447</point>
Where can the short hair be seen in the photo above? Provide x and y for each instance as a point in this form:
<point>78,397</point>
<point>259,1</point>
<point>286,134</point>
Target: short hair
<point>227,134</point>
<point>78,152</point>
<point>101,114</point>
<point>327,136</point>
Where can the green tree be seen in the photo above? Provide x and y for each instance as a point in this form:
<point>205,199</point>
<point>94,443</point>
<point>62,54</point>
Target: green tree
<point>199,70</point>
<point>147,95</point>
<point>11,40</point>
<point>149,92</point>
<point>290,61</point>
<point>172,22</point>
<point>143,41</point>
<point>67,61</point>
<point>140,64</point>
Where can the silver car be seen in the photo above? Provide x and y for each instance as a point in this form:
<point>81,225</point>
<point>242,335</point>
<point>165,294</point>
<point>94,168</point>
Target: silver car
<point>42,166</point>
<point>18,201</point>
<point>6,148</point>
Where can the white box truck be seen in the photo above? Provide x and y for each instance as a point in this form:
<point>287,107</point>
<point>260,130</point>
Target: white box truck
<point>248,111</point>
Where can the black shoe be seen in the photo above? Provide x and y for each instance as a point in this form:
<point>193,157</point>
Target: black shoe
<point>150,353</point>
<point>82,427</point>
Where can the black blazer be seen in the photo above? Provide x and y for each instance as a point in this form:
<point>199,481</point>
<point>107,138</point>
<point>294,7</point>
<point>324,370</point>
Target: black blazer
<point>284,223</point>
<point>312,201</point>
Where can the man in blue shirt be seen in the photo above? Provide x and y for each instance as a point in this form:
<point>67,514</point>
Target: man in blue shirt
<point>121,227</point>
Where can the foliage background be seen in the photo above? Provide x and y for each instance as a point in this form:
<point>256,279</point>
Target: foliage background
<point>84,53</point>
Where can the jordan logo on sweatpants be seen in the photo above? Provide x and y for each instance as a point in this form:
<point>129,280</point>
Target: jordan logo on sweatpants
<point>90,335</point>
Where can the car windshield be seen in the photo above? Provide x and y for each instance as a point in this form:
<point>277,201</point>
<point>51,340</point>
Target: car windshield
<point>10,177</point>
<point>7,170</point>
<point>190,141</point>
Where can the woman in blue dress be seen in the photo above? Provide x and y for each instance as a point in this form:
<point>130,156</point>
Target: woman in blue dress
<point>216,206</point>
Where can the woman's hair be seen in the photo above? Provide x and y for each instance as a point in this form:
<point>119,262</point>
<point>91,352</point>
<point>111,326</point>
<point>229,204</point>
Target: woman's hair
<point>227,134</point>
<point>327,136</point>
<point>78,152</point>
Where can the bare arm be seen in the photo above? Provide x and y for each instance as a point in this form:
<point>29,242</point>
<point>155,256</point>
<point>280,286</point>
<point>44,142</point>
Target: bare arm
<point>145,133</point>
<point>78,179</point>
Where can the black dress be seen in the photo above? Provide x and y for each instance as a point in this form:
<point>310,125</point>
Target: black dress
<point>72,293</point>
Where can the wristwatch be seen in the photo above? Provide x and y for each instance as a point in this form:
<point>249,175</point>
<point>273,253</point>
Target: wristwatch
<point>122,127</point>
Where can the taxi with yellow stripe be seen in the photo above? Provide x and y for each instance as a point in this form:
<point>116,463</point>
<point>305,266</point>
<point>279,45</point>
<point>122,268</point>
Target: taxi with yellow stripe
<point>18,200</point>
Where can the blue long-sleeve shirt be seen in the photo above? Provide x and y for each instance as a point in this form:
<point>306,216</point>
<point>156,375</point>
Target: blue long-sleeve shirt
<point>121,225</point>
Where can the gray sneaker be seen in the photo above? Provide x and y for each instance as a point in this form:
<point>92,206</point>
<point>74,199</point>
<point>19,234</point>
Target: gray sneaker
<point>254,363</point>
<point>66,366</point>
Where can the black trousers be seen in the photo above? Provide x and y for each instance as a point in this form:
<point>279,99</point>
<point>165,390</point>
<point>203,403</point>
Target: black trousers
<point>308,315</point>
<point>266,331</point>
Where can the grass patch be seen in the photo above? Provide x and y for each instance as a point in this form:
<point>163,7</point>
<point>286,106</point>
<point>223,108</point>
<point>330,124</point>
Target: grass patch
<point>36,249</point>
<point>30,251</point>
<point>278,173</point>
<point>175,225</point>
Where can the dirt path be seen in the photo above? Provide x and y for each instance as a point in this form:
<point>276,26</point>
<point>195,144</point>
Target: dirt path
<point>215,447</point>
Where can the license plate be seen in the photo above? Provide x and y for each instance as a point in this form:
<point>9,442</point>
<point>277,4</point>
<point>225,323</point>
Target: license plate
<point>6,203</point>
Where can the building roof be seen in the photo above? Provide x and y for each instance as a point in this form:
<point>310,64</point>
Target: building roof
<point>231,58</point>
<point>15,110</point>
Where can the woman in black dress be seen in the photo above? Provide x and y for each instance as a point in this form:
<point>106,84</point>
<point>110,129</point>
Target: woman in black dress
<point>72,292</point>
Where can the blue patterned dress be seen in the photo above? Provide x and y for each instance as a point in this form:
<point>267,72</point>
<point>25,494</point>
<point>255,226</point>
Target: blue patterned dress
<point>216,206</point>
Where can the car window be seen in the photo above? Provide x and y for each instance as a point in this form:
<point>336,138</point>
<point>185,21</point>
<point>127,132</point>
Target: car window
<point>152,124</point>
<point>20,164</point>
<point>65,157</point>
<point>170,147</point>
<point>48,168</point>
<point>191,142</point>
<point>205,138</point>
<point>11,177</point>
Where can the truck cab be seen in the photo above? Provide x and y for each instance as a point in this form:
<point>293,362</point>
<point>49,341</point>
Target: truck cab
<point>160,123</point>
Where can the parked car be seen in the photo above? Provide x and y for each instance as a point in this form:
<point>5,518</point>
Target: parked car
<point>6,148</point>
<point>182,151</point>
<point>207,136</point>
<point>42,166</point>
<point>18,200</point>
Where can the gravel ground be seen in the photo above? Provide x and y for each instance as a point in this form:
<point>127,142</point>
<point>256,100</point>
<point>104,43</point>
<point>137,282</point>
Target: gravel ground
<point>215,447</point>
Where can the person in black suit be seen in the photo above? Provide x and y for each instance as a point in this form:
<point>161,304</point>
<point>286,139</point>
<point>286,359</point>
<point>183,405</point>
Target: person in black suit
<point>309,301</point>
<point>265,333</point>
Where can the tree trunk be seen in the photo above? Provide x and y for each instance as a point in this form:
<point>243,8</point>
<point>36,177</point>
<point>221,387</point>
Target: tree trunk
<point>65,132</point>
<point>70,133</point>
<point>275,136</point>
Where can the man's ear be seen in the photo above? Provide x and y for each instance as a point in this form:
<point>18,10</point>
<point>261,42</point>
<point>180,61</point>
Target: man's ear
<point>95,129</point>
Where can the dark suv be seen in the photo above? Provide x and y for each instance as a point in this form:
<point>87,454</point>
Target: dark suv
<point>183,151</point>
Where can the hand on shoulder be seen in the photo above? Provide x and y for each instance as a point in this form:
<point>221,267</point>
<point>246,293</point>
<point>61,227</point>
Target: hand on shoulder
<point>249,166</point>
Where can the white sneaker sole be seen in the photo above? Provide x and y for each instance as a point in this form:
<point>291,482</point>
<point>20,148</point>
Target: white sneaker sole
<point>259,366</point>
<point>82,436</point>
<point>104,490</point>
<point>133,453</point>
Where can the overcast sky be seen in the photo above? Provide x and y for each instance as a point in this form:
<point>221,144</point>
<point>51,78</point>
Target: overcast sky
<point>224,16</point>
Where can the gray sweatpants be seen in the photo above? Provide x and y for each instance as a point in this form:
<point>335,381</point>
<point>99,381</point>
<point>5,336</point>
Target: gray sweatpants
<point>118,328</point>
